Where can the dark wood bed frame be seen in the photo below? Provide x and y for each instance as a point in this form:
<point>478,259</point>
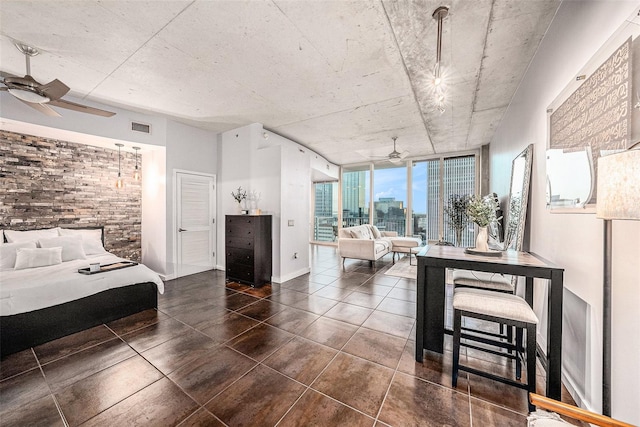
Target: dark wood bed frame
<point>22,331</point>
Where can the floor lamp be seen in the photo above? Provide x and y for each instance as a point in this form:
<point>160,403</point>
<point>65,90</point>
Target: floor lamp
<point>618,198</point>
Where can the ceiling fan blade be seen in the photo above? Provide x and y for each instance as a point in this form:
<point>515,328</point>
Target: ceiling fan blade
<point>81,108</point>
<point>43,108</point>
<point>54,89</point>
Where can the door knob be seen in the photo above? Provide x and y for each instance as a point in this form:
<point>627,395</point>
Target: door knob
<point>181,230</point>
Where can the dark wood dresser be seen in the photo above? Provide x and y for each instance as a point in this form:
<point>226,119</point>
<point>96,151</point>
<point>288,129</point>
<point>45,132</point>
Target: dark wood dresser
<point>248,249</point>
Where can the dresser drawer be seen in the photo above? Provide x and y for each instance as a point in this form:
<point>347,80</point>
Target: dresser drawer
<point>239,242</point>
<point>239,256</point>
<point>239,224</point>
<point>239,230</point>
<point>239,272</point>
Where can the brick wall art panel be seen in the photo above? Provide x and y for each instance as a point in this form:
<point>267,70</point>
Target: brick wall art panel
<point>48,183</point>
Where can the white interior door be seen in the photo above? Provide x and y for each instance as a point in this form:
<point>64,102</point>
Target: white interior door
<point>195,223</point>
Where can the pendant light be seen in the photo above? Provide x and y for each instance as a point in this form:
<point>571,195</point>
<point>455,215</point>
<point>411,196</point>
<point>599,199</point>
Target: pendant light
<point>136,173</point>
<point>438,79</point>
<point>119,181</point>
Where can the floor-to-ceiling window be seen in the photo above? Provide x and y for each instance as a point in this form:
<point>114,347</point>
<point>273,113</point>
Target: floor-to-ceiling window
<point>425,184</point>
<point>390,197</point>
<point>434,181</point>
<point>459,179</point>
<point>325,212</point>
<point>355,195</point>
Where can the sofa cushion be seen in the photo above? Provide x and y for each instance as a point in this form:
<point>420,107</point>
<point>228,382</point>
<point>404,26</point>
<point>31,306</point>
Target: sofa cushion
<point>381,246</point>
<point>404,242</point>
<point>360,232</point>
<point>357,233</point>
<point>375,232</point>
<point>344,233</point>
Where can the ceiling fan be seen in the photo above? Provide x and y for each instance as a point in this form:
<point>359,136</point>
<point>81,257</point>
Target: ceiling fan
<point>41,96</point>
<point>395,156</point>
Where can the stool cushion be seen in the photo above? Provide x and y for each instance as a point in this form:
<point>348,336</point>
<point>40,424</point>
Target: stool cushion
<point>541,418</point>
<point>483,280</point>
<point>495,304</point>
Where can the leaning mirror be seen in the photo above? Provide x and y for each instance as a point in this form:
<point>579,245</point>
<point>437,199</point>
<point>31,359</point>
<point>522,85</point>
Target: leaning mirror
<point>516,209</point>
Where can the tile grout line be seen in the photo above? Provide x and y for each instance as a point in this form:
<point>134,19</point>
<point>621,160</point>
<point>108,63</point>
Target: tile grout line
<point>393,377</point>
<point>53,396</point>
<point>164,376</point>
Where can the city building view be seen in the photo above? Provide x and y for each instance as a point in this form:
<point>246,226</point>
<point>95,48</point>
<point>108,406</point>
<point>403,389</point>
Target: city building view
<point>390,205</point>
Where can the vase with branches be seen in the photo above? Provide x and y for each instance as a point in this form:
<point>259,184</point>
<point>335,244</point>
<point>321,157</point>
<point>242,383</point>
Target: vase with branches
<point>482,211</point>
<point>239,195</point>
<point>456,214</point>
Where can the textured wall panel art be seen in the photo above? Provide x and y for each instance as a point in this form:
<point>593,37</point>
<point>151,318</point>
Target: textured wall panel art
<point>598,113</point>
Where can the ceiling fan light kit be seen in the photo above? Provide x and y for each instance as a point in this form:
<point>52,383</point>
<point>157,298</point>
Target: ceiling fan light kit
<point>29,96</point>
<point>40,96</point>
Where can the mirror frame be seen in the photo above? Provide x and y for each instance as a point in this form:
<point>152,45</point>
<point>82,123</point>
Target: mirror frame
<point>514,235</point>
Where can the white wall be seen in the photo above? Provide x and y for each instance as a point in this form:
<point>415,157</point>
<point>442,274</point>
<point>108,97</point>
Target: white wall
<point>189,149</point>
<point>234,163</point>
<point>154,214</point>
<point>295,206</point>
<point>574,241</point>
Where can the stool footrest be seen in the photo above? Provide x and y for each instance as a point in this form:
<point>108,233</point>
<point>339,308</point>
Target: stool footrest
<point>487,350</point>
<point>488,341</point>
<point>493,377</point>
<point>491,334</point>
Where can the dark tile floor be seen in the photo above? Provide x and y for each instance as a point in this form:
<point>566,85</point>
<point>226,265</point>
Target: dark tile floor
<point>335,347</point>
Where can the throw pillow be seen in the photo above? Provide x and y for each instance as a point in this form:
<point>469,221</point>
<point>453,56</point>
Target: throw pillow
<point>375,232</point>
<point>38,257</point>
<point>91,239</point>
<point>71,246</point>
<point>8,253</point>
<point>356,233</point>
<point>14,236</point>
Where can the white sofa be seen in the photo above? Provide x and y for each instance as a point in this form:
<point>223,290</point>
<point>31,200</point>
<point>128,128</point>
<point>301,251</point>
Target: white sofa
<point>368,243</point>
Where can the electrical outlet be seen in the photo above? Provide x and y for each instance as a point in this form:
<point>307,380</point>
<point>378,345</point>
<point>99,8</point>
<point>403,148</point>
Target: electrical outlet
<point>290,223</point>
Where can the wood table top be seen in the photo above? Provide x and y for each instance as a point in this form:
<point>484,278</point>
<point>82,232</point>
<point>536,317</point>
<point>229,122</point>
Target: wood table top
<point>509,257</point>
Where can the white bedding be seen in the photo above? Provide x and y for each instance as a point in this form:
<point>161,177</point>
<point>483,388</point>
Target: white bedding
<point>31,289</point>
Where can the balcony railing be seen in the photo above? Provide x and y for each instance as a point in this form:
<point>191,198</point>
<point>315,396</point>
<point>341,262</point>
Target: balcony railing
<point>325,229</point>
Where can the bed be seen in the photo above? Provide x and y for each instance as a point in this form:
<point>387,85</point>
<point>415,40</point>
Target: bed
<point>43,303</point>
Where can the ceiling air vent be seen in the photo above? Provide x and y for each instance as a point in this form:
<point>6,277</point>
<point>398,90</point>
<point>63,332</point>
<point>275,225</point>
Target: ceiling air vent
<point>140,127</point>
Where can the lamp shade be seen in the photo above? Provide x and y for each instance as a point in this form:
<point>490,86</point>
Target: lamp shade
<point>619,186</point>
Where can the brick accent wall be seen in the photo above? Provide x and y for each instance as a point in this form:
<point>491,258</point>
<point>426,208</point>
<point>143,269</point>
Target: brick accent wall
<point>48,183</point>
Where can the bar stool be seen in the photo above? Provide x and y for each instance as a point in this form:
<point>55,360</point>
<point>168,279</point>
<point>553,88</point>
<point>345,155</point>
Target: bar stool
<point>484,280</point>
<point>490,281</point>
<point>502,308</point>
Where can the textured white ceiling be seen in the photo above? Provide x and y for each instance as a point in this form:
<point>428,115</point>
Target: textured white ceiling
<point>338,76</point>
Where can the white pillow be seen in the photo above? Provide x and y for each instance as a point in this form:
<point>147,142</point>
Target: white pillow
<point>8,253</point>
<point>14,236</point>
<point>91,239</point>
<point>38,257</point>
<point>71,246</point>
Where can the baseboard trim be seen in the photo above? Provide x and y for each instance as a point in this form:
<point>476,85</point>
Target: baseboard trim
<point>293,275</point>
